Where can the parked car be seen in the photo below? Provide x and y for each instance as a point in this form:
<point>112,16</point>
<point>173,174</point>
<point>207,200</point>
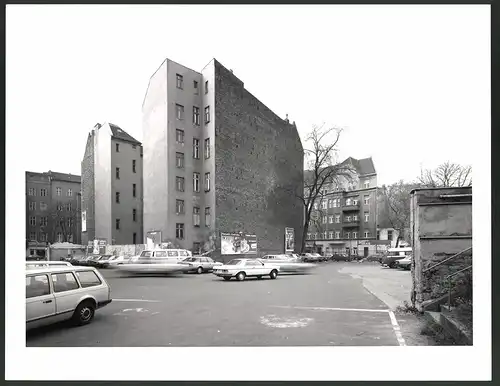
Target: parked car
<point>55,294</point>
<point>44,264</point>
<point>200,264</point>
<point>101,261</point>
<point>288,263</point>
<point>310,257</point>
<point>404,263</point>
<point>118,260</point>
<point>77,260</point>
<point>395,254</point>
<point>243,268</point>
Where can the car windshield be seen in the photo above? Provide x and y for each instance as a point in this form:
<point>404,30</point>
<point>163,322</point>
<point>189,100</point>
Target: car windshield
<point>234,262</point>
<point>146,254</point>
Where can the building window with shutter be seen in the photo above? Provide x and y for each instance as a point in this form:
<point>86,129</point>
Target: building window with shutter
<point>196,216</point>
<point>179,111</point>
<point>179,160</point>
<point>179,206</point>
<point>179,136</point>
<point>179,184</point>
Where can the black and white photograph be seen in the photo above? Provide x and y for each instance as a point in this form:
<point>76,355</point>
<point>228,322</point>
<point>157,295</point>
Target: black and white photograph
<point>284,185</point>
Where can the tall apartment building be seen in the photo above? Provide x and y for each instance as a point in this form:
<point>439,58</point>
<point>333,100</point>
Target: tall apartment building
<point>215,160</point>
<point>344,219</point>
<point>52,210</point>
<point>112,190</point>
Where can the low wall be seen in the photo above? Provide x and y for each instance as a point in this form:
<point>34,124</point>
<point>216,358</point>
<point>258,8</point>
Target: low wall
<point>125,250</point>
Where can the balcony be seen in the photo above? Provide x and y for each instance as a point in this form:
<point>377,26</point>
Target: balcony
<point>351,207</point>
<point>350,223</point>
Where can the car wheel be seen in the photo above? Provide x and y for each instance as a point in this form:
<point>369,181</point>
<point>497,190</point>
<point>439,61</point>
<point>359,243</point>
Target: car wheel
<point>392,265</point>
<point>199,270</point>
<point>227,278</point>
<point>240,276</point>
<point>273,274</point>
<point>84,313</point>
<point>259,277</point>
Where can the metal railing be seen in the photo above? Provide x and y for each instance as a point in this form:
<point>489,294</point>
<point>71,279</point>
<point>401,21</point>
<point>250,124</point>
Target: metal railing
<point>448,279</point>
<point>447,259</point>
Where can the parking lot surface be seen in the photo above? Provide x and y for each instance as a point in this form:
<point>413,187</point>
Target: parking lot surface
<point>327,307</point>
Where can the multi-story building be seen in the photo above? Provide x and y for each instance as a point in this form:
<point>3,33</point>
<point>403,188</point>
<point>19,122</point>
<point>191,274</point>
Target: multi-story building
<point>344,217</point>
<point>52,210</point>
<point>216,159</point>
<point>112,187</point>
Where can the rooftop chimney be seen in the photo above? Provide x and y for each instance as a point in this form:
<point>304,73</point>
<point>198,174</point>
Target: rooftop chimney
<point>286,119</point>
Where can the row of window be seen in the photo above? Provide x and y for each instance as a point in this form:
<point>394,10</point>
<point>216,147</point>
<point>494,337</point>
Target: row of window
<point>179,138</point>
<point>44,220</point>
<point>180,185</point>
<point>180,84</point>
<point>39,285</point>
<point>42,236</point>
<point>117,147</point>
<point>324,192</point>
<point>43,192</point>
<point>134,170</point>
<point>353,218</point>
<point>43,205</point>
<point>134,193</point>
<point>330,235</point>
<point>179,227</point>
<point>179,114</point>
<point>180,209</point>
<point>336,203</point>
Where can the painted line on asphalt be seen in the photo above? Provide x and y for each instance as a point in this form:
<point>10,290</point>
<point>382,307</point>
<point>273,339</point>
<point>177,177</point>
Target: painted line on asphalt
<point>333,309</point>
<point>397,329</point>
<point>136,300</point>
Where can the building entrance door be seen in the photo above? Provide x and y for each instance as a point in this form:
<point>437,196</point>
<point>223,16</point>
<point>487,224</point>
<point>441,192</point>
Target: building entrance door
<point>365,253</point>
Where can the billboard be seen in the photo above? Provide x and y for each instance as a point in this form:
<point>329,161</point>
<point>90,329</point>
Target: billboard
<point>289,240</point>
<point>84,221</point>
<point>153,239</point>
<point>238,244</point>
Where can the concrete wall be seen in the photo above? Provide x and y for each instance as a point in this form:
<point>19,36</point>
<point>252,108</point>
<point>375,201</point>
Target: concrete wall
<point>257,153</point>
<point>103,191</point>
<point>124,185</point>
<point>441,227</point>
<point>88,190</point>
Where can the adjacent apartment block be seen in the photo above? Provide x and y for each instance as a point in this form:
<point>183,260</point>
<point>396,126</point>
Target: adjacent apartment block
<point>52,210</point>
<point>344,219</point>
<point>112,191</point>
<point>216,160</point>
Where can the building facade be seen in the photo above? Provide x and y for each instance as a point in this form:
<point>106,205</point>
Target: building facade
<point>52,210</point>
<point>112,190</point>
<point>344,218</point>
<point>216,160</point>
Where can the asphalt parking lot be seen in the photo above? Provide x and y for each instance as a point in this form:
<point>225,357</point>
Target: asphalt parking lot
<point>327,307</point>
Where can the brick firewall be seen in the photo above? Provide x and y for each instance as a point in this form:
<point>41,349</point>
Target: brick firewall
<point>88,191</point>
<point>257,155</point>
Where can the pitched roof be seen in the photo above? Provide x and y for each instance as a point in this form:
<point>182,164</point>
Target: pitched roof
<point>118,133</point>
<point>64,177</point>
<point>363,166</point>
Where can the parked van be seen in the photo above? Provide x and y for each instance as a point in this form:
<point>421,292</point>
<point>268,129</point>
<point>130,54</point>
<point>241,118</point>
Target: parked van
<point>158,261</point>
<point>55,294</point>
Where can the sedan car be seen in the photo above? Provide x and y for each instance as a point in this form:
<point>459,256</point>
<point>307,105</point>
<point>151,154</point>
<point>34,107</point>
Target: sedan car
<point>200,264</point>
<point>243,268</point>
<point>404,263</point>
<point>101,261</point>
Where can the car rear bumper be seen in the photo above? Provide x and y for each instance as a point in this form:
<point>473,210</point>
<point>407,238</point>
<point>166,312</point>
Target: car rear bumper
<point>104,303</point>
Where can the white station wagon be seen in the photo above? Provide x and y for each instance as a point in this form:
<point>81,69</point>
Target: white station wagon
<point>242,268</point>
<point>54,294</point>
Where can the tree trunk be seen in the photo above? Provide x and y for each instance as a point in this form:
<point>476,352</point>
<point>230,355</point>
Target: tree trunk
<point>397,240</point>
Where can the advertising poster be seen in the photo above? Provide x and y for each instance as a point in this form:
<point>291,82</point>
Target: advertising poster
<point>238,244</point>
<point>153,239</point>
<point>289,240</point>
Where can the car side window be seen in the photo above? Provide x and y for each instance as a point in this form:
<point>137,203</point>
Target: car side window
<point>88,279</point>
<point>172,253</point>
<point>183,253</point>
<point>161,254</point>
<point>37,286</point>
<point>64,282</point>
<point>251,263</point>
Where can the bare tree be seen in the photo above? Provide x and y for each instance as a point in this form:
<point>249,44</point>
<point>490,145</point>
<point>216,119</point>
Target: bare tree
<point>396,206</point>
<point>447,174</point>
<point>322,171</point>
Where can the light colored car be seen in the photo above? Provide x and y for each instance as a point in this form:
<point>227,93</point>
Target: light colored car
<point>45,264</point>
<point>310,257</point>
<point>288,263</point>
<point>172,254</point>
<point>200,264</point>
<point>156,261</point>
<point>55,294</point>
<point>243,268</point>
<point>404,263</point>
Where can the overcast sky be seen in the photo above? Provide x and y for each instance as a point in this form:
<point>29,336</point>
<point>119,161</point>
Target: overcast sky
<point>408,84</point>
